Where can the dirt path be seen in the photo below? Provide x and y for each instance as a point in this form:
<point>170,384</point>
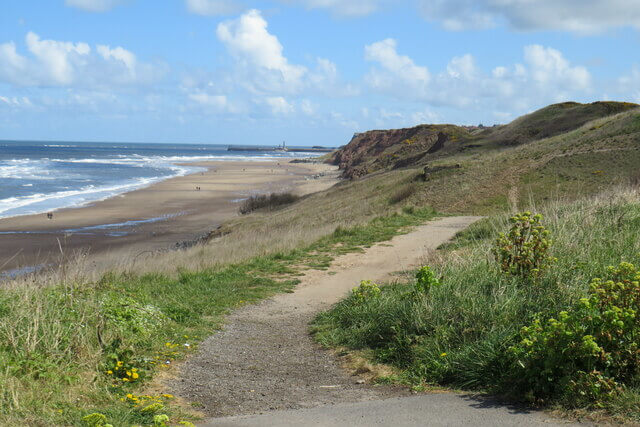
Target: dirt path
<point>264,369</point>
<point>264,359</point>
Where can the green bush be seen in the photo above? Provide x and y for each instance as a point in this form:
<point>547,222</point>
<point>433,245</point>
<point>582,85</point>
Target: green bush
<point>425,280</point>
<point>590,351</point>
<point>524,250</point>
<point>365,291</point>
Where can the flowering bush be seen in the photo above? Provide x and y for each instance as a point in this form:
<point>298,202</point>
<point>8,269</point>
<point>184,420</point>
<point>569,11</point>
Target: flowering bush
<point>589,352</point>
<point>524,250</point>
<point>365,291</point>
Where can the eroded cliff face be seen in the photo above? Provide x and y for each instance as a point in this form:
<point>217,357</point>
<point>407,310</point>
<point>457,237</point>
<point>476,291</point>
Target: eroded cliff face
<point>379,149</point>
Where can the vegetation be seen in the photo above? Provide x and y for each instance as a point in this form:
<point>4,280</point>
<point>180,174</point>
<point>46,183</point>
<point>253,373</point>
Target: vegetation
<point>566,334</point>
<point>268,202</point>
<point>83,353</point>
<point>80,346</point>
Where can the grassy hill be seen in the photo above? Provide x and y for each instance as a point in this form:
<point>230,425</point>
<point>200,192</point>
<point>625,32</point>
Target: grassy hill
<point>562,151</point>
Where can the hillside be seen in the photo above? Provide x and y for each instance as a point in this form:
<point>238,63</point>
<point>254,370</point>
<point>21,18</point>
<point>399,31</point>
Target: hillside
<point>564,150</point>
<point>384,149</point>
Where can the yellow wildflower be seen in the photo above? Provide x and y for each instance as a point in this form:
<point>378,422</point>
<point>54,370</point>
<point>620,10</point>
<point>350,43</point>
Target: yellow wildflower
<point>120,363</point>
<point>130,396</point>
<point>110,372</point>
<point>128,373</point>
<point>168,396</point>
<point>443,354</point>
<point>135,375</point>
<point>126,380</point>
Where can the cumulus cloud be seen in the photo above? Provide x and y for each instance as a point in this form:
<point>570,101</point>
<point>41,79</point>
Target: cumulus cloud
<point>213,7</point>
<point>545,76</point>
<point>262,67</point>
<point>566,15</point>
<point>279,105</point>
<point>394,71</point>
<point>64,63</point>
<point>93,5</point>
<point>58,59</point>
<point>549,67</point>
<point>260,52</point>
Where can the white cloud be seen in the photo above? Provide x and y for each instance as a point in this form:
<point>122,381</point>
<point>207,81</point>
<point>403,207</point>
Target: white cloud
<point>260,53</point>
<point>93,5</point>
<point>546,76</point>
<point>578,16</point>
<point>279,105</point>
<point>394,71</point>
<point>16,101</point>
<point>261,66</point>
<point>462,67</point>
<point>58,59</point>
<point>213,7</point>
<point>12,64</point>
<point>548,66</point>
<point>63,63</point>
<point>119,54</point>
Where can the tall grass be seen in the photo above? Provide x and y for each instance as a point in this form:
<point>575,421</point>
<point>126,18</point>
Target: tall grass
<point>61,341</point>
<point>458,334</point>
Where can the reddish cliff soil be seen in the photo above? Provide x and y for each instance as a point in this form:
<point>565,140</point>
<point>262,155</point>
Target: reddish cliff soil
<point>379,149</point>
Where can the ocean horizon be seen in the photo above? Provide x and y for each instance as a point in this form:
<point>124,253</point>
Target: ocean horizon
<point>44,176</point>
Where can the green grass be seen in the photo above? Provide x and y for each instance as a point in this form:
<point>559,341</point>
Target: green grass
<point>58,343</point>
<point>458,334</point>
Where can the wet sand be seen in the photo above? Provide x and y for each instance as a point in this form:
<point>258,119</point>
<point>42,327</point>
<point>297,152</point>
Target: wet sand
<point>158,217</point>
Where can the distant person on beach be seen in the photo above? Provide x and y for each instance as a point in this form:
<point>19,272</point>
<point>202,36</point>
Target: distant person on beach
<point>49,215</point>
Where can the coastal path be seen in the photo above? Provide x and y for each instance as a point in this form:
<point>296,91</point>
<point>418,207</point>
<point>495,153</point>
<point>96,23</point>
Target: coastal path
<point>263,368</point>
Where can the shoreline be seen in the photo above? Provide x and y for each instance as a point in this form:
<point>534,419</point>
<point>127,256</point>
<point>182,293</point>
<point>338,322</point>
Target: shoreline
<point>165,215</point>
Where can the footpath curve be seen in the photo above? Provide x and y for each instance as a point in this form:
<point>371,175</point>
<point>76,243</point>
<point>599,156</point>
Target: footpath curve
<point>263,368</point>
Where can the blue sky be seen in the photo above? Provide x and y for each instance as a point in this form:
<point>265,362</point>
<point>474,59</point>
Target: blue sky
<point>311,72</point>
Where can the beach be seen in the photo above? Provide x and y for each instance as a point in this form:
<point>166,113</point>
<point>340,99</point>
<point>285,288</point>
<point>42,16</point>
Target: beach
<point>162,216</point>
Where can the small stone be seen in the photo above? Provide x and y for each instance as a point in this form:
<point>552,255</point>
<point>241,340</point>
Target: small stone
<point>360,382</point>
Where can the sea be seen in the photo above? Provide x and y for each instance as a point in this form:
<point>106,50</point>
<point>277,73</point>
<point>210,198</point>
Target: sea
<point>38,177</point>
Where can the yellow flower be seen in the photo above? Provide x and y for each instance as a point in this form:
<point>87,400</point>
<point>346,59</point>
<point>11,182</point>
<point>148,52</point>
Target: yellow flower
<point>135,375</point>
<point>168,396</point>
<point>128,373</point>
<point>126,380</point>
<point>168,344</point>
<point>120,363</point>
<point>443,354</point>
<point>110,372</point>
<point>134,369</point>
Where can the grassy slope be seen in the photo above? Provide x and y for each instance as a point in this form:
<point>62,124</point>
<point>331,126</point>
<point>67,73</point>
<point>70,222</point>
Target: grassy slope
<point>65,348</point>
<point>589,159</point>
<point>458,335</point>
<point>59,365</point>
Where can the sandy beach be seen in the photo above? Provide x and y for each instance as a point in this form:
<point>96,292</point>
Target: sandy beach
<point>158,217</point>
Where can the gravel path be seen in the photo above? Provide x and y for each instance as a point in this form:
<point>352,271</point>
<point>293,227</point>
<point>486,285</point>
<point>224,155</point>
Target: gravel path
<point>265,360</point>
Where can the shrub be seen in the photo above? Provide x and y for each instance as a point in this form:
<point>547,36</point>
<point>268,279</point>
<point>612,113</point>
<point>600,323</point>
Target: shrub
<point>270,202</point>
<point>589,352</point>
<point>425,280</point>
<point>365,291</point>
<point>524,250</point>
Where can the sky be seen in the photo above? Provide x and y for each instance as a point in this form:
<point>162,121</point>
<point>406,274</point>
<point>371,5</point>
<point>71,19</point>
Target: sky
<point>308,72</point>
